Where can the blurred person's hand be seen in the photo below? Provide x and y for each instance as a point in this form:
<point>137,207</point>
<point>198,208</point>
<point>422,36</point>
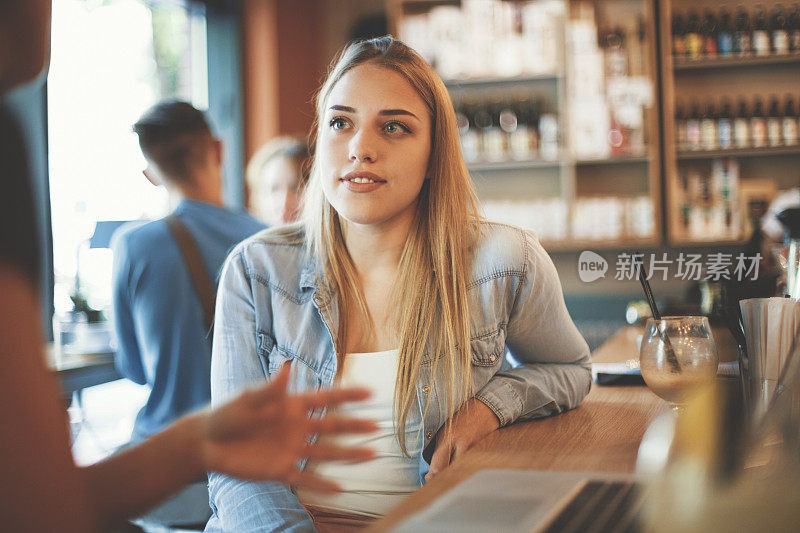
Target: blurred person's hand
<point>265,431</point>
<point>473,421</point>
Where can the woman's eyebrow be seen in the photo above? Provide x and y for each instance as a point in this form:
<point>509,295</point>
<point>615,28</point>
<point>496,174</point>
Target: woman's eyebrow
<point>385,112</point>
<point>382,112</point>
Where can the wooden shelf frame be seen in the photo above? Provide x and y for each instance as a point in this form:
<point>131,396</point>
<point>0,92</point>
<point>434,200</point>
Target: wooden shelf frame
<point>683,63</point>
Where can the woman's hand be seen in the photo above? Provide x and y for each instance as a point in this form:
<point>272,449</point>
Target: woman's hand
<point>264,432</point>
<point>473,421</point>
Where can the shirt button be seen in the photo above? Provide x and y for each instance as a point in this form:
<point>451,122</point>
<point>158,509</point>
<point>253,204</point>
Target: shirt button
<point>429,435</point>
<point>426,389</point>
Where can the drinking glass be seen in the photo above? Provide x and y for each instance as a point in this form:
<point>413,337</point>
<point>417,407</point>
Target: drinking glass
<point>677,355</point>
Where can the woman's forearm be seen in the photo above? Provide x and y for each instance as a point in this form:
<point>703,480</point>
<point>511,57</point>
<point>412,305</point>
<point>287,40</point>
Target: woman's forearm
<point>138,478</point>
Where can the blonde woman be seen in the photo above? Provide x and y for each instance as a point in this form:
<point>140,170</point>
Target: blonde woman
<point>276,176</point>
<point>394,281</point>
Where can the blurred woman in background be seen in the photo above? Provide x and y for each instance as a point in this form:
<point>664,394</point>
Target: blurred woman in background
<point>276,177</point>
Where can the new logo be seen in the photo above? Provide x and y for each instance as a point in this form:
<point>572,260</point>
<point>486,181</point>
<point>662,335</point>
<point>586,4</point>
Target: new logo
<point>591,266</point>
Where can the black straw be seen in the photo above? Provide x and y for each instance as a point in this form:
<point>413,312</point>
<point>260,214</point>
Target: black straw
<point>648,292</point>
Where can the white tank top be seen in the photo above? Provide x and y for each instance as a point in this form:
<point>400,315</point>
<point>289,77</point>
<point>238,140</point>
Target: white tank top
<point>373,487</point>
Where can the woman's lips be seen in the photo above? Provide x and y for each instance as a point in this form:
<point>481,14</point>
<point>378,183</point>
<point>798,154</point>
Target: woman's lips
<point>362,181</point>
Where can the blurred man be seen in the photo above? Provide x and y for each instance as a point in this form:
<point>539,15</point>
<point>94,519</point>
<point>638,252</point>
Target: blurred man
<point>164,280</point>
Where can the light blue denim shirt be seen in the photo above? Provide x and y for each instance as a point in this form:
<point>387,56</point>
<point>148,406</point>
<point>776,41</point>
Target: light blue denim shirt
<point>528,358</point>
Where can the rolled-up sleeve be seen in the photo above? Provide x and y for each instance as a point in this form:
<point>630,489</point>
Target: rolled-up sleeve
<point>554,372</point>
<point>241,506</point>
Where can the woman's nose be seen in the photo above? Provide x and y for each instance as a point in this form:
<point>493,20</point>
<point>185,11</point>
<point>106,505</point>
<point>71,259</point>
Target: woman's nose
<point>362,147</point>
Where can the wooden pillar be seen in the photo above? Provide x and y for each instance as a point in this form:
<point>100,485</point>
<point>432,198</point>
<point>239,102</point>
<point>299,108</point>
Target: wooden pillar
<point>282,68</point>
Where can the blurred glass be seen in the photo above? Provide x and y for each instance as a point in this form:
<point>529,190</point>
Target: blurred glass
<point>677,355</point>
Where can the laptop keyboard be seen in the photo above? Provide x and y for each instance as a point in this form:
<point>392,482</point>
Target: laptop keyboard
<point>601,507</point>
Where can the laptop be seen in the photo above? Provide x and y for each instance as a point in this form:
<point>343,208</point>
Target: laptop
<point>520,501</point>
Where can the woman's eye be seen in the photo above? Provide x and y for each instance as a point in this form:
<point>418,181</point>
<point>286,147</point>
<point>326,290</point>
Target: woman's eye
<point>396,128</point>
<point>338,124</point>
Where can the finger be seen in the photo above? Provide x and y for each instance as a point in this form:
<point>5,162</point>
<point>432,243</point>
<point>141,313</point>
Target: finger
<point>333,397</point>
<point>440,459</point>
<point>331,452</point>
<point>275,387</point>
<point>335,425</point>
<point>312,482</point>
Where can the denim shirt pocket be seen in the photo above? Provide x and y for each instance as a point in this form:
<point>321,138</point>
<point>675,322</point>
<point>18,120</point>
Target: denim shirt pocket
<point>273,357</point>
<point>488,349</point>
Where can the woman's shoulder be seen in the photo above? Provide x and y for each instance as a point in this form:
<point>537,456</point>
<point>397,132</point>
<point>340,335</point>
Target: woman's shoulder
<point>502,249</point>
<point>276,249</point>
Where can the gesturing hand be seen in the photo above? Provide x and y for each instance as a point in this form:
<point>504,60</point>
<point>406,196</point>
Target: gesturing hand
<point>264,432</point>
<point>472,422</point>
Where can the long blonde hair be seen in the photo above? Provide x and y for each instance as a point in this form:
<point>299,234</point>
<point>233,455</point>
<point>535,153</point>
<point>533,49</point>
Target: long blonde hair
<point>433,275</point>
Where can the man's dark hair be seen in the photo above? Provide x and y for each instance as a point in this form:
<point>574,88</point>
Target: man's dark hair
<point>175,136</point>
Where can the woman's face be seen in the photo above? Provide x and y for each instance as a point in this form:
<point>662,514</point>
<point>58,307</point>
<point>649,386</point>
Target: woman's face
<point>374,146</point>
<point>280,190</point>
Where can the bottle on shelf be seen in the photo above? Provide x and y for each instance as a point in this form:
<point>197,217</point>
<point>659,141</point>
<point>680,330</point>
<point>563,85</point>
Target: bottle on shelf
<point>469,133</point>
<point>483,122</point>
<point>523,141</point>
<point>709,33</point>
<point>693,139</point>
<point>741,126</point>
<point>494,138</point>
<point>548,137</point>
<point>761,40</point>
<point>725,126</point>
<point>509,122</point>
<point>708,128</point>
<point>725,34</point>
<point>790,122</point>
<point>678,36</point>
<point>793,23</point>
<point>758,124</point>
<point>742,36</point>
<point>694,41</point>
<point>774,123</point>
<point>680,128</point>
<point>780,31</point>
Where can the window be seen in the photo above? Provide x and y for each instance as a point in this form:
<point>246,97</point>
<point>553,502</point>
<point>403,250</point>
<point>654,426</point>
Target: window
<point>111,60</point>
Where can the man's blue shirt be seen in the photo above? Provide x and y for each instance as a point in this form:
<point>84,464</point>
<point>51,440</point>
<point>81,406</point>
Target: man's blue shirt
<point>161,339</point>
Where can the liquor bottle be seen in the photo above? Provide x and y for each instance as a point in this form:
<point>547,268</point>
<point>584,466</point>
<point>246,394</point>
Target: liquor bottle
<point>694,42</point>
<point>548,136</point>
<point>469,132</point>
<point>790,122</point>
<point>615,53</point>
<point>483,122</point>
<point>793,24</point>
<point>780,31</point>
<point>709,33</point>
<point>494,138</point>
<point>509,122</point>
<point>758,124</point>
<point>774,123</point>
<point>708,128</point>
<point>693,128</point>
<point>761,45</point>
<point>680,128</point>
<point>725,126</point>
<point>678,36</point>
<point>522,142</point>
<point>742,38</point>
<point>741,126</point>
<point>725,34</point>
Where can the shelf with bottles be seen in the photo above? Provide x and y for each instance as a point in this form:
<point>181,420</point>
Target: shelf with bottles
<point>748,130</point>
<point>708,207</point>
<point>599,221</point>
<point>491,39</point>
<point>720,38</point>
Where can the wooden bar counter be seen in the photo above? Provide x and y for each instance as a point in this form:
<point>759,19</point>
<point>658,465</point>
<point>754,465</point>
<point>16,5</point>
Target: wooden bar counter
<point>601,435</point>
